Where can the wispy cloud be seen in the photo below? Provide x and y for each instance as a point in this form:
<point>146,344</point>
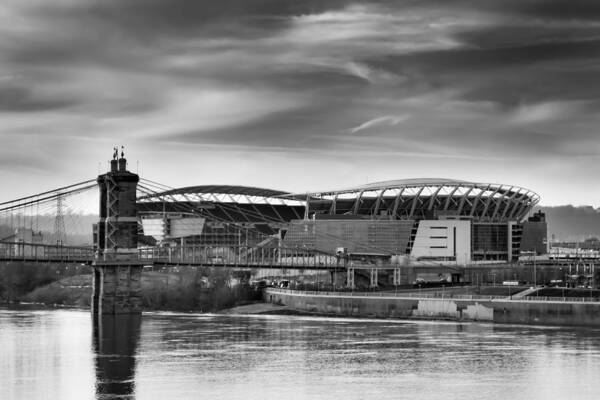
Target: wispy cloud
<point>547,112</point>
<point>387,120</point>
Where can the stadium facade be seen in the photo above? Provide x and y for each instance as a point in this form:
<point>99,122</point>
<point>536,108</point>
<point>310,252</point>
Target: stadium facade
<point>414,220</point>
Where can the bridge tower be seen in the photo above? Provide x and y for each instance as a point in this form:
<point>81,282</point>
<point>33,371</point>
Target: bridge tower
<point>117,271</point>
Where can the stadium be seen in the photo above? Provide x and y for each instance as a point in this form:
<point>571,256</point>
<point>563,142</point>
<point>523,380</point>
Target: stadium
<point>417,220</point>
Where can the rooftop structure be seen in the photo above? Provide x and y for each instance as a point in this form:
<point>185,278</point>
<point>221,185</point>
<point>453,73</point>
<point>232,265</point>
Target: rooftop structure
<point>426,199</point>
<point>224,203</point>
<point>430,219</point>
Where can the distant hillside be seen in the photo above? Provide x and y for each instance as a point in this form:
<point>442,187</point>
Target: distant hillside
<point>569,223</point>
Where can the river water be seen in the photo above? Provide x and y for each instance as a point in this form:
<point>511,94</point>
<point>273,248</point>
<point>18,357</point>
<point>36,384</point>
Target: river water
<point>59,355</point>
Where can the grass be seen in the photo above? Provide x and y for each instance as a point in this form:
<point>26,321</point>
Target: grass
<point>74,291</point>
<point>18,279</point>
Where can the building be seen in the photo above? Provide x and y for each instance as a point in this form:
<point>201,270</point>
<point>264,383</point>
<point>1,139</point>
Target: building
<point>218,215</point>
<point>22,243</point>
<point>534,234</point>
<point>417,220</point>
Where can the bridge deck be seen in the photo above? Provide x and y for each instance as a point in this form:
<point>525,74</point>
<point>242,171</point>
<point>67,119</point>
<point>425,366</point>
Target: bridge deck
<point>209,256</point>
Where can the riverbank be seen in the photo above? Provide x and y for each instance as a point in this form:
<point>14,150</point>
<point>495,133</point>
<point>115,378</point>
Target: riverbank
<point>200,291</point>
<point>499,309</point>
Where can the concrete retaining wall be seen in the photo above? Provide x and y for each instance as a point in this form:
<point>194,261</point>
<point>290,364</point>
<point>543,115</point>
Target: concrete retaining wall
<point>493,310</point>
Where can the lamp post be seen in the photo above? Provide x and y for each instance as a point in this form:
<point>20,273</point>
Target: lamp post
<point>465,280</point>
<point>534,271</point>
<point>591,281</point>
<point>570,274</point>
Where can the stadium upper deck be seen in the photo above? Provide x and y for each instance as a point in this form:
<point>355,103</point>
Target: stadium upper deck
<point>399,199</point>
<point>427,199</point>
<point>428,219</point>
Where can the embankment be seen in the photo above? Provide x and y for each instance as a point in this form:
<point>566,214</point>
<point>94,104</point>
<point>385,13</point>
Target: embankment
<point>17,279</point>
<point>458,308</point>
<point>205,290</point>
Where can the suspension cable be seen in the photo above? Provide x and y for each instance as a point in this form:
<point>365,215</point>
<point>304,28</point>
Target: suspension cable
<point>49,191</point>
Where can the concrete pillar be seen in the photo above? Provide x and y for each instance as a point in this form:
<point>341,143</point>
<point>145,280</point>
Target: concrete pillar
<point>338,278</point>
<point>350,278</point>
<point>374,277</point>
<point>117,289</point>
<point>397,276</point>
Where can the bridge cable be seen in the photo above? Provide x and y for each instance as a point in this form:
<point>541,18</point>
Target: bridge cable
<point>43,199</point>
<point>50,191</point>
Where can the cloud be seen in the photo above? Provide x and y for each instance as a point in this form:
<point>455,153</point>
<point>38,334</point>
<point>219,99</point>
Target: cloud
<point>466,80</point>
<point>24,99</point>
<point>199,111</point>
<point>549,111</point>
<point>379,121</point>
<point>371,75</point>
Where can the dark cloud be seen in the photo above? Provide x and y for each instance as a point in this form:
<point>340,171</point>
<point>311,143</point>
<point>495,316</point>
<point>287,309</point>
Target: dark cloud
<point>549,9</point>
<point>587,10</point>
<point>520,35</point>
<point>507,68</point>
<point>149,20</point>
<point>23,99</point>
<point>469,60</point>
<point>434,79</point>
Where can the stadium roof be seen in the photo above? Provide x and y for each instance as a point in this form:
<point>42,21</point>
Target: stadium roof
<point>403,199</point>
<point>423,182</point>
<point>223,194</point>
<point>226,189</point>
<point>411,182</point>
<point>423,198</point>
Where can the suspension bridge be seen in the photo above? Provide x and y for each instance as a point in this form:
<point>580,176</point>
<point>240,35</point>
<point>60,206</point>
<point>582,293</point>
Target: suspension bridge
<point>119,223</point>
<point>60,226</point>
<point>47,228</point>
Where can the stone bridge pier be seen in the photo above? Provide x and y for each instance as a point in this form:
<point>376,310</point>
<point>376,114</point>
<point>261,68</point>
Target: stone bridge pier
<point>117,289</point>
<point>117,271</point>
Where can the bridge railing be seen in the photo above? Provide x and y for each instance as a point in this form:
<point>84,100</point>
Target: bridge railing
<point>438,295</point>
<point>237,256</point>
<point>232,255</point>
<point>24,251</point>
<point>198,255</point>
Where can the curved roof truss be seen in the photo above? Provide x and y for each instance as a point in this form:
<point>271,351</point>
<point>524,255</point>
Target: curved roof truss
<point>414,199</point>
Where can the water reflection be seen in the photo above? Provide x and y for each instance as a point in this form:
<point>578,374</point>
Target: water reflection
<point>115,343</point>
<point>54,355</point>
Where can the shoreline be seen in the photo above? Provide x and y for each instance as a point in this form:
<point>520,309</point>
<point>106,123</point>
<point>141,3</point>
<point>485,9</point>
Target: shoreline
<point>278,310</point>
<point>487,309</point>
<point>406,306</point>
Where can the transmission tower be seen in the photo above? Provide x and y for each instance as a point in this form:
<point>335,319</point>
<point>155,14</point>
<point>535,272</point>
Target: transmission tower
<point>59,223</point>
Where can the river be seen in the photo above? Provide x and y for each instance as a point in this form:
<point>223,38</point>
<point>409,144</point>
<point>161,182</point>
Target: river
<point>57,354</point>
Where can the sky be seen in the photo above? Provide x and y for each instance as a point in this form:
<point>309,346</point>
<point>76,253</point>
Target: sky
<point>302,95</point>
